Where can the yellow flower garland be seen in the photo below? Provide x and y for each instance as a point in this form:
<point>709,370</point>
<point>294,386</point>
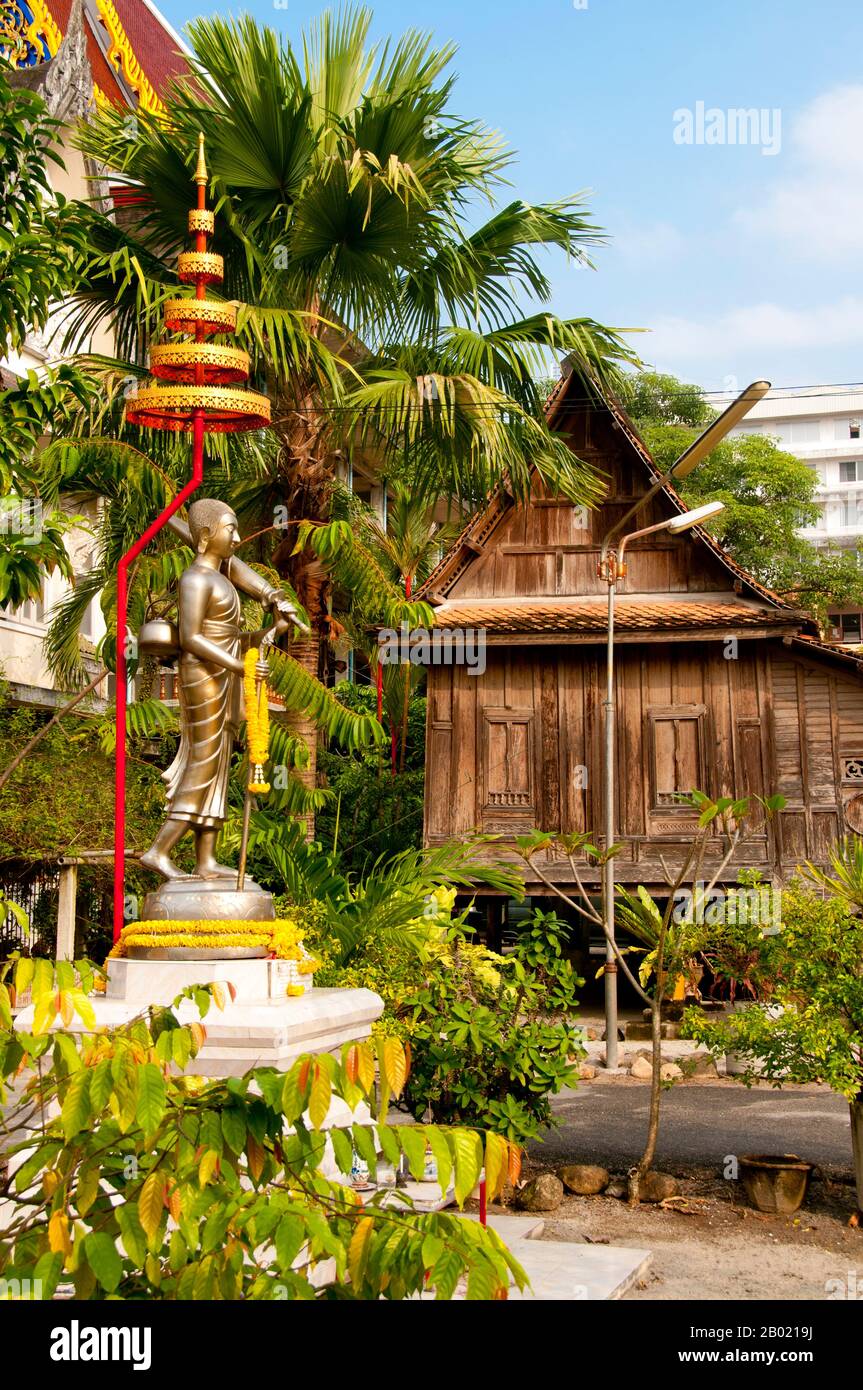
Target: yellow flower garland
<point>282,939</point>
<point>257,723</point>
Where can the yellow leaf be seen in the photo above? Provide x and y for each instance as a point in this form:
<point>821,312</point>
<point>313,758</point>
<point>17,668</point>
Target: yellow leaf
<point>50,1181</point>
<point>496,1163</point>
<point>208,1166</point>
<point>151,1203</point>
<point>199,1034</point>
<point>395,1065</point>
<point>319,1099</point>
<point>87,1190</point>
<point>58,1234</point>
<point>218,993</point>
<point>175,1205</point>
<point>358,1250</point>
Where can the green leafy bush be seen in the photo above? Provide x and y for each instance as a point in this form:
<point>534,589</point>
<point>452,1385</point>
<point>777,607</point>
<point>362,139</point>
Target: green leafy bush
<point>143,1184</point>
<point>373,813</point>
<point>815,1032</point>
<point>492,1037</point>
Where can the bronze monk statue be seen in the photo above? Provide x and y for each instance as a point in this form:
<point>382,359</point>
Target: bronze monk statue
<point>210,686</point>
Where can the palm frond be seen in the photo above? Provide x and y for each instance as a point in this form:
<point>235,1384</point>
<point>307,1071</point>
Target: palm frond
<point>302,692</point>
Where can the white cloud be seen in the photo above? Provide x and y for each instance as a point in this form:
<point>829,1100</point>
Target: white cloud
<point>765,327</point>
<point>816,211</point>
<point>649,244</point>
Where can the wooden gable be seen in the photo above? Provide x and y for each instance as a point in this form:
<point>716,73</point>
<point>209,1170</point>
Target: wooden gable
<point>550,548</point>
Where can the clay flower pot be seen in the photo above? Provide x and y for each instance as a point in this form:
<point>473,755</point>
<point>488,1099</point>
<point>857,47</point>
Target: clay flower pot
<point>775,1182</point>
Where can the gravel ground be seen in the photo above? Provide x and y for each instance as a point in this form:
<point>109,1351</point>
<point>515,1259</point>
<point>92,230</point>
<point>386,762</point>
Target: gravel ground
<point>718,1247</point>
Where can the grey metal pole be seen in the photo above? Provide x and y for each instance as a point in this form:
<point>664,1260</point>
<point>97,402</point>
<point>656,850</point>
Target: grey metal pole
<point>611,1057</point>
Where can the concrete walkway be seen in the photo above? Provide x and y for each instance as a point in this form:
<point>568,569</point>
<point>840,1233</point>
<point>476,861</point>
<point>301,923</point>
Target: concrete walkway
<point>565,1271</point>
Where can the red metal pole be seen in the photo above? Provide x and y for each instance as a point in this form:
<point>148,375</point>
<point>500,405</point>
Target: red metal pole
<point>122,613</point>
<point>122,607</point>
<point>483,1204</point>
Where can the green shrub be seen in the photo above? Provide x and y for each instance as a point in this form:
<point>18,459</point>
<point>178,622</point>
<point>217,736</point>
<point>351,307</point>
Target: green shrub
<point>138,1183</point>
<point>492,1037</point>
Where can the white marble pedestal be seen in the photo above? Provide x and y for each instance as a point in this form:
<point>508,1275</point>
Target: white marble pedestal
<point>260,1027</point>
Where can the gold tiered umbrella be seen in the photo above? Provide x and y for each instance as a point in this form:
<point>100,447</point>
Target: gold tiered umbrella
<point>203,375</point>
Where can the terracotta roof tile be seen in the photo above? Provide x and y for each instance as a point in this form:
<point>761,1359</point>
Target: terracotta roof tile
<point>579,615</point>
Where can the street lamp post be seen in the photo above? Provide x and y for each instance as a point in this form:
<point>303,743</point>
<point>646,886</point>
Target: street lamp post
<point>612,568</point>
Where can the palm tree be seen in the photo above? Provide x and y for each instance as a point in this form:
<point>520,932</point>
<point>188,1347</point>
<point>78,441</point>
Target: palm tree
<point>344,190</point>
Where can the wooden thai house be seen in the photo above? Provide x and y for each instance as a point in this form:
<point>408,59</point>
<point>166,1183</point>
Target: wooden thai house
<point>721,686</point>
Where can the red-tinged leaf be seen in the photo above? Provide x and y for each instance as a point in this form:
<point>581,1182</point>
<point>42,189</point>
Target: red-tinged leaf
<point>352,1063</point>
<point>514,1163</point>
<point>232,990</point>
<point>174,1204</point>
<point>365,1067</point>
<point>256,1155</point>
<point>303,1073</point>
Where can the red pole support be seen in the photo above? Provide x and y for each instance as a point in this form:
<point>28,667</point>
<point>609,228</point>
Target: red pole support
<point>122,638</point>
<point>483,1203</point>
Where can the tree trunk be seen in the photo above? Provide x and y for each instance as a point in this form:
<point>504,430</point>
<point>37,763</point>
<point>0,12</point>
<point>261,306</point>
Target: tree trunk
<point>857,1142</point>
<point>306,651</point>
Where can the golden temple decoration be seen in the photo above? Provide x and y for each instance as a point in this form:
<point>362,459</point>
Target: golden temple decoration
<point>212,315</point>
<point>202,220</point>
<point>177,361</point>
<point>25,41</point>
<point>194,264</point>
<point>202,376</point>
<point>122,55</point>
<point>227,410</point>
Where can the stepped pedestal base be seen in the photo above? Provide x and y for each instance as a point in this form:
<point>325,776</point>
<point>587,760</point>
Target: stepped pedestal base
<point>261,1027</point>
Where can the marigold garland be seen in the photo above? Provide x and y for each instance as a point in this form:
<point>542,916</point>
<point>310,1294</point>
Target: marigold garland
<point>282,939</point>
<point>257,723</point>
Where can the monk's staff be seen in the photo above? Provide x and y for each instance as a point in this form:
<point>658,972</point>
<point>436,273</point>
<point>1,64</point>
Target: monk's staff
<point>253,782</point>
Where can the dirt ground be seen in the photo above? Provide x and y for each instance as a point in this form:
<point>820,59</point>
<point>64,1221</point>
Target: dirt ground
<point>721,1248</point>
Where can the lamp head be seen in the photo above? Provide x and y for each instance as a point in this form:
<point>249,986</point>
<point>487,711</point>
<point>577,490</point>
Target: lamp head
<point>707,442</point>
<point>695,517</point>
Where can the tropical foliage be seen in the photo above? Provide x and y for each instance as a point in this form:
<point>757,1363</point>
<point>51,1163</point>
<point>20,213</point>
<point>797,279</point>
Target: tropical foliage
<point>143,1183</point>
<point>768,495</point>
<point>813,1029</point>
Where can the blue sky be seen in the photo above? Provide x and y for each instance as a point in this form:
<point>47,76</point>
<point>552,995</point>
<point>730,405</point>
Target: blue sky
<point>743,263</point>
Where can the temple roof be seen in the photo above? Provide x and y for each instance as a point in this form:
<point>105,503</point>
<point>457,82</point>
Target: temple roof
<point>132,51</point>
